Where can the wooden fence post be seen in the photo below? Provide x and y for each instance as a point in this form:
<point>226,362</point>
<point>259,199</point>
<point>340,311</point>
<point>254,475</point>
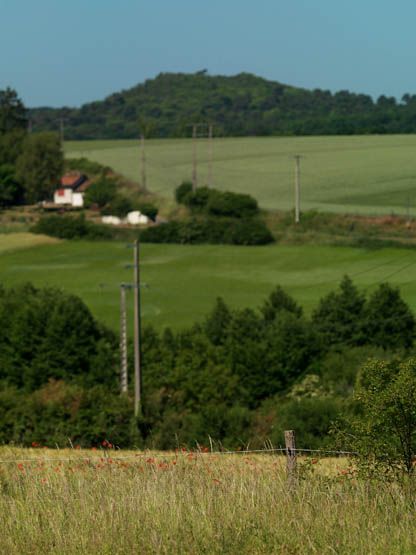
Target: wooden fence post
<point>290,456</point>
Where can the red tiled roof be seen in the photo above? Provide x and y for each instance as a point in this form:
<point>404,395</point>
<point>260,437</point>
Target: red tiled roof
<point>72,180</point>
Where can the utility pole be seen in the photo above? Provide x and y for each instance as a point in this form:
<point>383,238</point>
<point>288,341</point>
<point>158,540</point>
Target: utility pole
<point>123,340</point>
<point>210,148</point>
<point>143,161</point>
<point>29,125</point>
<point>137,325</point>
<point>297,187</point>
<point>194,157</point>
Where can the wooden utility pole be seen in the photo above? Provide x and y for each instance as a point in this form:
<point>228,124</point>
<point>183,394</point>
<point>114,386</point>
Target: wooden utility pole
<point>123,340</point>
<point>137,342</point>
<point>194,157</point>
<point>210,149</point>
<point>290,456</point>
<point>297,188</point>
<point>29,125</point>
<point>143,162</point>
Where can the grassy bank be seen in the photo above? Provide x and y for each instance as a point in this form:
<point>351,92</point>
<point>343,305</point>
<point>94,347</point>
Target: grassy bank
<point>186,503</point>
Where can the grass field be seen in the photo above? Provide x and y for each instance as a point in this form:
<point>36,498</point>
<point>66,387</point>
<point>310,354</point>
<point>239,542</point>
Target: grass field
<point>82,502</point>
<point>357,174</point>
<point>183,281</point>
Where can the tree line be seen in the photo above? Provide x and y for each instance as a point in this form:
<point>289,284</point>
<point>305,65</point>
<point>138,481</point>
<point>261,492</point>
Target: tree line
<point>240,376</point>
<point>240,105</point>
<point>31,164</point>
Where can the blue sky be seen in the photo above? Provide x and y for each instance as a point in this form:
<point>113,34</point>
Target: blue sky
<point>61,52</point>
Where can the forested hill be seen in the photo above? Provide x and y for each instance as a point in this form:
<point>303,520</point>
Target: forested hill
<point>237,106</point>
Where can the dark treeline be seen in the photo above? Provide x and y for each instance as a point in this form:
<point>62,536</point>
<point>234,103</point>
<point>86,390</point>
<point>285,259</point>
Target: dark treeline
<point>241,376</point>
<point>241,105</point>
<point>31,164</point>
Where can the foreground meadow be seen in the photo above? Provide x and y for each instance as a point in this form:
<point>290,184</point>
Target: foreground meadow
<point>371,174</point>
<point>120,502</point>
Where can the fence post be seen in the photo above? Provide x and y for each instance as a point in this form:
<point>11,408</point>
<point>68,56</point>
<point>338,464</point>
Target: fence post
<point>290,456</point>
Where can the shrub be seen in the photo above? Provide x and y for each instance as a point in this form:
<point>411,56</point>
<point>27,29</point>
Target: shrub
<point>120,206</point>
<point>67,227</point>
<point>149,210</point>
<point>198,200</point>
<point>101,193</point>
<point>383,427</point>
<point>85,165</point>
<point>182,191</point>
<point>211,231</point>
<point>233,205</point>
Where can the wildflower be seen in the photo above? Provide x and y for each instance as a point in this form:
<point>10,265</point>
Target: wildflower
<point>314,461</point>
<point>21,466</point>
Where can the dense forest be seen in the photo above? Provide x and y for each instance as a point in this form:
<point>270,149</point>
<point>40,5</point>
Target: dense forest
<point>239,105</point>
<point>240,376</point>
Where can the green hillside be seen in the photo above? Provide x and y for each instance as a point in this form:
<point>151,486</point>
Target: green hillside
<point>239,105</point>
<point>184,281</point>
<point>359,174</point>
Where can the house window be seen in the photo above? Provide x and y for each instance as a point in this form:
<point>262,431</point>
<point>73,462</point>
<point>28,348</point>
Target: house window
<point>61,192</point>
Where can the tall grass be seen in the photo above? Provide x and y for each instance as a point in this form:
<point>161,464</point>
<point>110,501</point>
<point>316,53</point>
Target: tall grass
<point>189,503</point>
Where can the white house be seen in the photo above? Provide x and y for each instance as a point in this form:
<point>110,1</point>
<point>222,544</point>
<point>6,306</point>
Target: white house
<point>71,190</point>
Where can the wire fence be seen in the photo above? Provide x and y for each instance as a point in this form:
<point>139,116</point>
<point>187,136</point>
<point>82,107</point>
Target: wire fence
<point>107,454</point>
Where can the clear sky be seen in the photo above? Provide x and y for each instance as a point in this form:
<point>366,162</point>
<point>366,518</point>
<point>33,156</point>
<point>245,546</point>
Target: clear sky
<point>67,52</point>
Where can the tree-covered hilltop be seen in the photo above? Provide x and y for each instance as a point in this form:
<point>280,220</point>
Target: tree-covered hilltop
<point>238,105</point>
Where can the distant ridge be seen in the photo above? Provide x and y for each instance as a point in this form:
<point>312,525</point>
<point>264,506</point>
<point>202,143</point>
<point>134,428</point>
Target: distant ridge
<point>239,105</point>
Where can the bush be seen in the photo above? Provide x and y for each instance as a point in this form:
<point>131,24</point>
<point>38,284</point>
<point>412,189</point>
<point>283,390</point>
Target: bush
<point>183,191</point>
<point>120,206</point>
<point>312,418</point>
<point>85,165</point>
<point>101,193</point>
<point>210,231</point>
<point>59,413</point>
<point>149,210</point>
<point>67,227</point>
<point>383,427</point>
<point>233,205</point>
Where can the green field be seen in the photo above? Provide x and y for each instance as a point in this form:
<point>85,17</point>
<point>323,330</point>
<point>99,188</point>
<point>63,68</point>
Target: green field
<point>183,281</point>
<point>357,174</point>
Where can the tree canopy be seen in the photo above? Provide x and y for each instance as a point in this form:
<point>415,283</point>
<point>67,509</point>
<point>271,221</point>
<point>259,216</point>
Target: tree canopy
<point>238,105</point>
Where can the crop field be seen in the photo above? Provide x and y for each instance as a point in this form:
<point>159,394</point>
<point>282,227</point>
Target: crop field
<point>357,174</point>
<point>183,281</point>
<point>120,502</point>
